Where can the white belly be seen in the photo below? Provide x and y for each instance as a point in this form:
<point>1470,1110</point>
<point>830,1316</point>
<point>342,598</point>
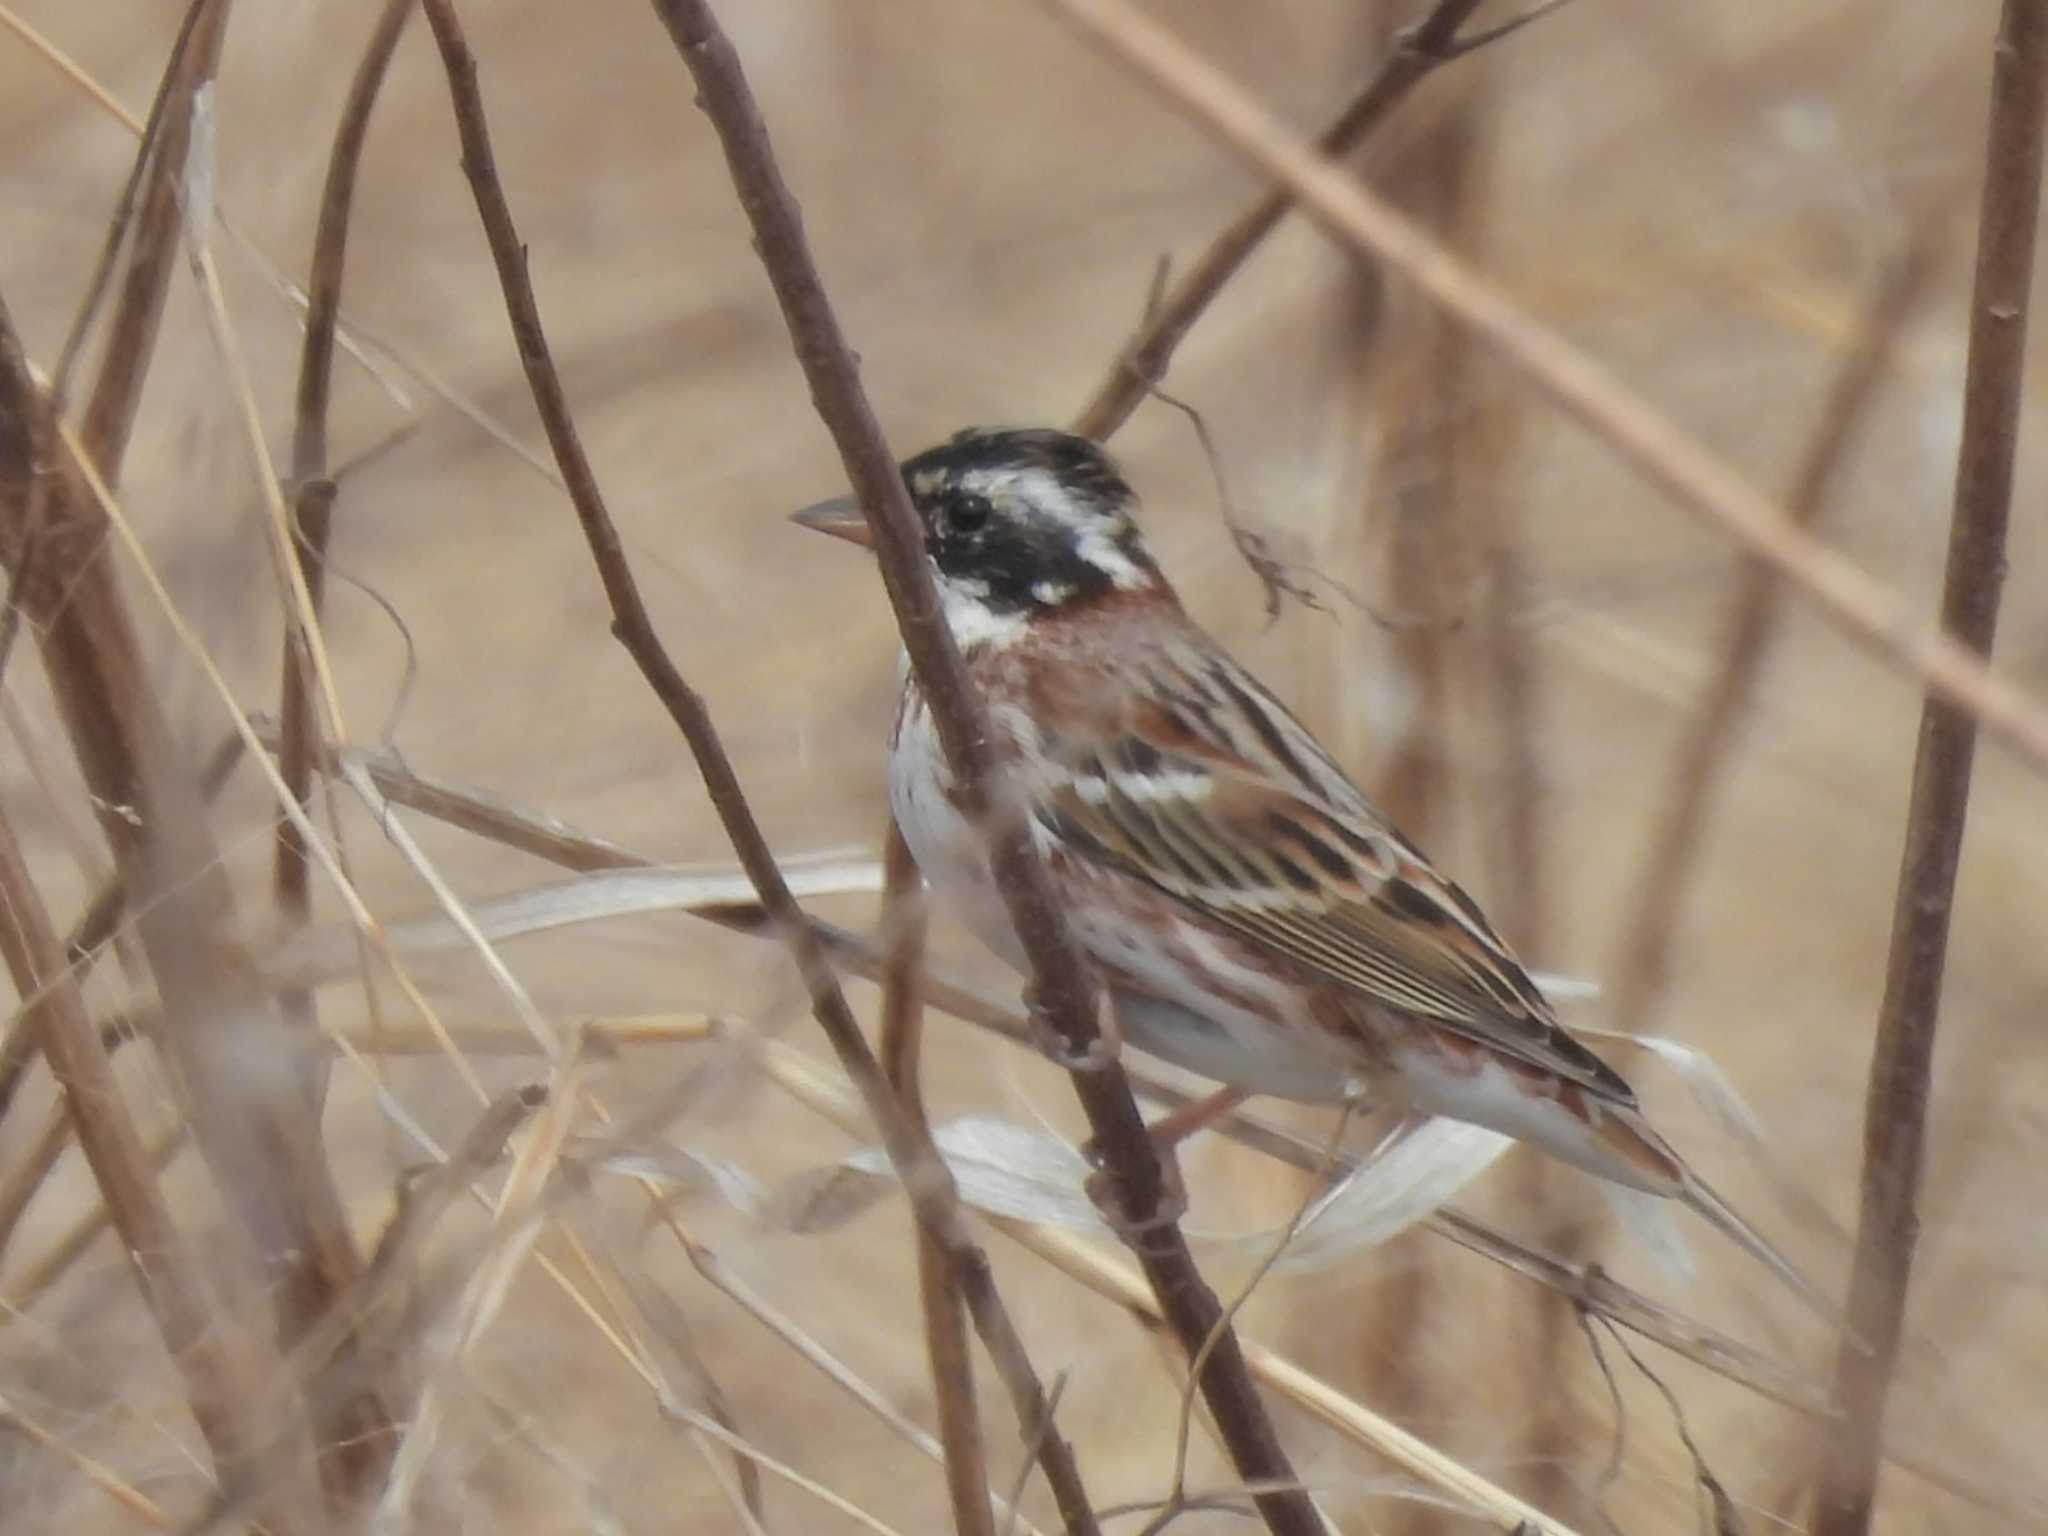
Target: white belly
<point>950,850</point>
<point>1163,1009</point>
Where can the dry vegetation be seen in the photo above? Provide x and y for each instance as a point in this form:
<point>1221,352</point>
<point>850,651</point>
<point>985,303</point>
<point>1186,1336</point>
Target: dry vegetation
<point>1654,764</point>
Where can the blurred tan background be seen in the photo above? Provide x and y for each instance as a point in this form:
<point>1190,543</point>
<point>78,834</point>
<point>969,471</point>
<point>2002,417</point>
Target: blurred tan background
<point>1704,196</point>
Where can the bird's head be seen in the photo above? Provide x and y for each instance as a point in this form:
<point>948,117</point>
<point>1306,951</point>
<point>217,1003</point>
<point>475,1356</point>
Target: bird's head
<point>1017,523</point>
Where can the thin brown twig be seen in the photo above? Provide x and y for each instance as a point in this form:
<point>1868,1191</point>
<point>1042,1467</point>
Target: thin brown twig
<point>1144,358</point>
<point>927,1180</point>
<point>1895,1109</point>
<point>357,1425</point>
<point>1696,479</point>
<point>1061,983</point>
<point>312,491</point>
<point>945,1316</point>
<point>1668,862</point>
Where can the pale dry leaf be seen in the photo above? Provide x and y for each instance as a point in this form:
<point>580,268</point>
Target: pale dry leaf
<point>329,953</point>
<point>1710,1087</point>
<point>1648,1219</point>
<point>1412,1175</point>
<point>1008,1169</point>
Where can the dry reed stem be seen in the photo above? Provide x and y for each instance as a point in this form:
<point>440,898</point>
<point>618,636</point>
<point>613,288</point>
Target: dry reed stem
<point>1143,362</point>
<point>1696,479</point>
<point>224,1365</point>
<point>313,492</point>
<point>309,522</point>
<point>263,1149</point>
<point>1673,851</point>
<point>1061,983</point>
<point>148,219</point>
<point>1895,1111</point>
<point>355,1424</point>
<point>927,1180</point>
<point>945,1316</point>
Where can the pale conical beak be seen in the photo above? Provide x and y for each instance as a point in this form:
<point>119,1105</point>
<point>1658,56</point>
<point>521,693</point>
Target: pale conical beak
<point>841,517</point>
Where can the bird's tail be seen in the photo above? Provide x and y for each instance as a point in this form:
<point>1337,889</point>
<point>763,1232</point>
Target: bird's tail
<point>1628,1135</point>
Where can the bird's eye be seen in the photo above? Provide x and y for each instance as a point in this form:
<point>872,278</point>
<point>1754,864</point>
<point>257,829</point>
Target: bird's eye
<point>970,514</point>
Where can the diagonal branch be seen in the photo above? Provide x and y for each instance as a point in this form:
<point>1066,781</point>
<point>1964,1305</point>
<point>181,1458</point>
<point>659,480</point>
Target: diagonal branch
<point>1143,361</point>
<point>1696,479</point>
<point>1060,978</point>
<point>926,1179</point>
<point>1895,1109</point>
<point>311,490</point>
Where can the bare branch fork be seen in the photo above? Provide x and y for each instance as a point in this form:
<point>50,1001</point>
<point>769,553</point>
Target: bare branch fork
<point>926,1179</point>
<point>1061,981</point>
<point>1895,1109</point>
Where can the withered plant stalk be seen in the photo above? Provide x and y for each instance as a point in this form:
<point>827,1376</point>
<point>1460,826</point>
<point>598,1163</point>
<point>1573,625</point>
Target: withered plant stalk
<point>1895,1106</point>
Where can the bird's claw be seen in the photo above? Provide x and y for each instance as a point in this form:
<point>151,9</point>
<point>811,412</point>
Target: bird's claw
<point>1098,1055</point>
<point>1101,1185</point>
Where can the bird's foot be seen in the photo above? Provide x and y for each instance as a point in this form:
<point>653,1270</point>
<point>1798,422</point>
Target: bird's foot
<point>1168,1208</point>
<point>1098,1055</point>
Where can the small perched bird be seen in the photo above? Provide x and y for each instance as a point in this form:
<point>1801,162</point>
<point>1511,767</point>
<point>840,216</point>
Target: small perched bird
<point>1254,918</point>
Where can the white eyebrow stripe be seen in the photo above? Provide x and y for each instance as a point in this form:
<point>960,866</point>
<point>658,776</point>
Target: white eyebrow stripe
<point>1040,489</point>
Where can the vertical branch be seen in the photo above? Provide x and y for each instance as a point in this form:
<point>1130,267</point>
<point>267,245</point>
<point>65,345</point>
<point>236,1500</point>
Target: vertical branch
<point>354,1423</point>
<point>945,1316</point>
<point>312,491</point>
<point>1895,1109</point>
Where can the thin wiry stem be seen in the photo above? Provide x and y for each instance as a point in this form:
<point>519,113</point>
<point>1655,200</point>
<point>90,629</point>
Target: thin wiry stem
<point>1060,979</point>
<point>926,1179</point>
<point>1895,1108</point>
<point>312,507</point>
<point>1143,361</point>
<point>1696,479</point>
<point>945,1317</point>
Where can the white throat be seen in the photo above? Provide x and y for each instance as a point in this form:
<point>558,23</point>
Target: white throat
<point>974,623</point>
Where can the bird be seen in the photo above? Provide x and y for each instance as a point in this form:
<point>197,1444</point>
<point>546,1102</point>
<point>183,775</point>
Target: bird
<point>1254,918</point>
